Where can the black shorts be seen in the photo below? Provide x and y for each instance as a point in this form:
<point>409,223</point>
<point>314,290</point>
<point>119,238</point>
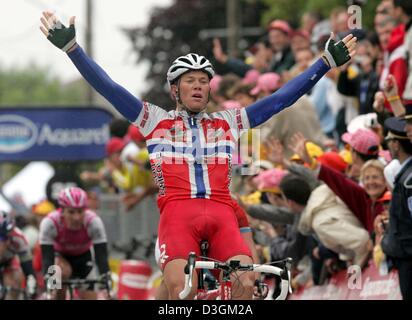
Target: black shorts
<point>81,265</point>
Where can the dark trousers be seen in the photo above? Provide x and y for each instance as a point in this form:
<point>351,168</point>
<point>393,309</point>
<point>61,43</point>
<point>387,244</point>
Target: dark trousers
<point>404,267</point>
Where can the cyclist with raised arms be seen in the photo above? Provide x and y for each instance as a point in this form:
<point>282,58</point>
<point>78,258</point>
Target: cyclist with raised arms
<point>67,236</point>
<point>15,256</point>
<point>191,151</point>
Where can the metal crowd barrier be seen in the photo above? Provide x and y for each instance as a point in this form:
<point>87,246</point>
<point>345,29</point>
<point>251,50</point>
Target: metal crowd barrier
<point>121,225</point>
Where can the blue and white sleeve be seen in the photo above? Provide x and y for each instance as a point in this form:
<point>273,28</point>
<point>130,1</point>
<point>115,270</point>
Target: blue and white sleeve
<point>264,109</point>
<point>127,104</point>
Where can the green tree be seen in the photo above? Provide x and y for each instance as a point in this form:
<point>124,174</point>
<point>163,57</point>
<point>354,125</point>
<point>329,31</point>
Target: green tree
<point>176,30</point>
<point>33,86</point>
<point>292,11</point>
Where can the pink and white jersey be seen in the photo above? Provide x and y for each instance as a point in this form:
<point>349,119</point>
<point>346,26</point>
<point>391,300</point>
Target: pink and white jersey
<point>53,231</point>
<point>17,246</point>
<point>191,155</point>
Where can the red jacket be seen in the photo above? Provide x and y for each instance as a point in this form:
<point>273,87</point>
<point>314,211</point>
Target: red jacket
<point>353,195</point>
<point>395,62</point>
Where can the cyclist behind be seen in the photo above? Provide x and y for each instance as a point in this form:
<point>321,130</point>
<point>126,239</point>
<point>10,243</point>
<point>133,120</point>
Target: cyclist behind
<point>15,256</point>
<point>67,236</point>
<point>191,151</point>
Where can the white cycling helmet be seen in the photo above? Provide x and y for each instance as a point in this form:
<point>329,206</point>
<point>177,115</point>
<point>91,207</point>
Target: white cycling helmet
<point>189,62</point>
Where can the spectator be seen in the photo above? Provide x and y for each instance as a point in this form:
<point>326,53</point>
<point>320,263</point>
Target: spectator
<point>214,90</point>
<point>292,244</point>
<point>226,85</point>
<point>251,77</point>
<point>316,26</point>
<point>260,61</point>
<point>394,54</point>
<point>118,127</point>
<point>301,117</point>
<point>362,201</point>
<point>385,7</point>
<point>363,84</point>
<point>300,41</point>
<point>241,93</point>
<point>279,39</point>
<point>304,58</point>
<point>267,83</point>
<point>339,20</point>
<point>325,106</point>
<point>408,125</point>
<point>134,180</point>
<point>309,21</point>
<point>396,243</point>
<point>275,211</point>
<point>364,145</point>
<point>334,225</point>
<point>403,13</point>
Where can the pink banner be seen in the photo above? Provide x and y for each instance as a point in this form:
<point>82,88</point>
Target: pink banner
<point>368,285</point>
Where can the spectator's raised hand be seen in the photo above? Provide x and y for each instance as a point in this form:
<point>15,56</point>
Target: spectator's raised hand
<point>218,53</point>
<point>379,102</point>
<point>275,151</point>
<point>391,92</point>
<point>62,37</point>
<point>298,145</point>
<point>390,88</point>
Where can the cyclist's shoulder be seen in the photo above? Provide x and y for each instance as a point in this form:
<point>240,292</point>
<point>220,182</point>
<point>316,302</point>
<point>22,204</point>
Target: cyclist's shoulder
<point>231,116</point>
<point>90,215</point>
<point>17,239</point>
<point>153,109</point>
<point>50,221</point>
<point>92,218</point>
<point>52,217</point>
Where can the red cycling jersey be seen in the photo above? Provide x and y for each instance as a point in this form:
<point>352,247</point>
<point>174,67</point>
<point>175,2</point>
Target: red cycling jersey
<point>191,156</point>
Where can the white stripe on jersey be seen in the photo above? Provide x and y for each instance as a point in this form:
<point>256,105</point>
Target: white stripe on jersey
<point>180,158</point>
<point>164,141</point>
<point>206,181</point>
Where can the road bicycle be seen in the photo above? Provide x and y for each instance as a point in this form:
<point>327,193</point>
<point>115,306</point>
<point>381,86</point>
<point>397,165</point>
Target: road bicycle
<point>224,288</point>
<point>20,293</point>
<point>73,285</point>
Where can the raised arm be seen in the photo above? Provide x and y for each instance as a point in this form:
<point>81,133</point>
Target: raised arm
<point>335,55</point>
<point>353,195</point>
<point>65,39</point>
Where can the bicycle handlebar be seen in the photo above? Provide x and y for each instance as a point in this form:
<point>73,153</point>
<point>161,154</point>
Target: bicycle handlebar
<point>192,264</point>
<point>80,282</point>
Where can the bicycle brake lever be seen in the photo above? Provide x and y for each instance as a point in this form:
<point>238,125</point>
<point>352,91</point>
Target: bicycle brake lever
<point>190,266</point>
<point>288,266</point>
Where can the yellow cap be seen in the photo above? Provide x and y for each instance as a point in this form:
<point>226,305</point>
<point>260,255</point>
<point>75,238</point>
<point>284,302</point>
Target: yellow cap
<point>352,73</point>
<point>346,156</point>
<point>253,198</point>
<point>295,157</point>
<point>43,208</point>
<point>313,149</point>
